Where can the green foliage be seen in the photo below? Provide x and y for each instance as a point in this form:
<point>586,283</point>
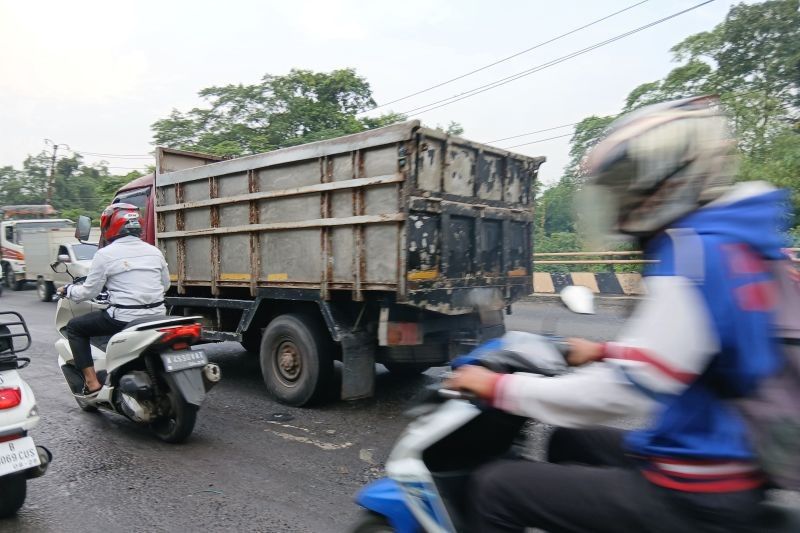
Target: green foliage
<point>752,61</point>
<point>587,132</point>
<point>279,111</point>
<point>78,189</point>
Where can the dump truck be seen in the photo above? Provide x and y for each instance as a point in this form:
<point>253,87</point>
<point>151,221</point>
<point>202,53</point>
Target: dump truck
<point>401,245</point>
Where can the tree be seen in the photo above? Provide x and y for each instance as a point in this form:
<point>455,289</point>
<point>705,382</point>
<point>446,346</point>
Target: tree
<point>279,111</point>
<point>752,61</point>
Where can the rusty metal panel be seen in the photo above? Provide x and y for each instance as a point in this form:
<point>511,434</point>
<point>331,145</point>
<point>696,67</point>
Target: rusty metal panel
<point>198,265</point>
<point>459,171</point>
<point>429,164</point>
<point>489,176</point>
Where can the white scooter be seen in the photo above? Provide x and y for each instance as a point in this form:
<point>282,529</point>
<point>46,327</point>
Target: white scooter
<point>148,371</point>
<point>20,458</point>
<point>429,468</point>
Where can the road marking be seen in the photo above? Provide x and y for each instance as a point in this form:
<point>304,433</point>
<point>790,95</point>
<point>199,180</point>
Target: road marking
<point>287,426</point>
<point>319,444</point>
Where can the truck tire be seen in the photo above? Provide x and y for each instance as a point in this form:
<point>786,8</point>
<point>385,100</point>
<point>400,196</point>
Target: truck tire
<point>9,279</point>
<point>45,290</point>
<point>297,359</point>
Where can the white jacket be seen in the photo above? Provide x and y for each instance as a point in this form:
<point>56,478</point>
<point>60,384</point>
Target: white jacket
<point>133,272</point>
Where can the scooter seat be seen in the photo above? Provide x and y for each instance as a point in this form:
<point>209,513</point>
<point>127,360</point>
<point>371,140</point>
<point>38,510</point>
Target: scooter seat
<point>159,320</point>
<point>100,342</point>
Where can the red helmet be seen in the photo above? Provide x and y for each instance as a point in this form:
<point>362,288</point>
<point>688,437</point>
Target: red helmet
<point>119,220</point>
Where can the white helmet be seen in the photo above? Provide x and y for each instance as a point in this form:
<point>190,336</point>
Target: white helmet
<point>659,164</point>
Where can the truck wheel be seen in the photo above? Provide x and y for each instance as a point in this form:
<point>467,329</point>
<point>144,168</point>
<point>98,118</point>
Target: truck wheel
<point>12,493</point>
<point>297,359</point>
<point>45,290</point>
<point>9,279</point>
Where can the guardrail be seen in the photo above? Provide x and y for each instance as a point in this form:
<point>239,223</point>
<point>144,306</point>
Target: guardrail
<point>538,255</point>
<point>610,282</point>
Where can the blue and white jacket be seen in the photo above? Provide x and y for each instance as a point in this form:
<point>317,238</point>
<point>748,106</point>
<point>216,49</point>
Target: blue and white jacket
<point>703,333</point>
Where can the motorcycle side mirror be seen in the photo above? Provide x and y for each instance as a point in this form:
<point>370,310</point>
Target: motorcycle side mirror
<point>578,299</point>
<point>55,267</point>
<point>83,228</point>
<point>63,258</point>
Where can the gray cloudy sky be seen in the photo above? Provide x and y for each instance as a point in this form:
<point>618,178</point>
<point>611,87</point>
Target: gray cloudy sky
<point>96,74</point>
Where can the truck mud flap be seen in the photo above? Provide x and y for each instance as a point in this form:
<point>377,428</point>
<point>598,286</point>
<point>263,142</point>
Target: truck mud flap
<point>358,366</point>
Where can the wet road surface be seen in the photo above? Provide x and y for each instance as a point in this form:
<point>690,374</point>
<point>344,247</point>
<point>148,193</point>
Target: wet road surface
<point>251,464</point>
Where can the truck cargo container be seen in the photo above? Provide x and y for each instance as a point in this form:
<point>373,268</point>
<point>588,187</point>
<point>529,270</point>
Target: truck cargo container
<point>400,245</point>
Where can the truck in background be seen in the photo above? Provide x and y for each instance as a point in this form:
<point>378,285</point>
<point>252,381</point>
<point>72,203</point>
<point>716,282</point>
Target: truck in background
<point>14,223</point>
<point>55,245</point>
<point>401,245</point>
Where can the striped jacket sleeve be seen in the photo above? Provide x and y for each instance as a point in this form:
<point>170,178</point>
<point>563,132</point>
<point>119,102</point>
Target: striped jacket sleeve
<point>665,346</point>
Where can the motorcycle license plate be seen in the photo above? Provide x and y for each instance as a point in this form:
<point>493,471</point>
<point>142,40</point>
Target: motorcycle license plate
<point>177,361</point>
<point>17,455</point>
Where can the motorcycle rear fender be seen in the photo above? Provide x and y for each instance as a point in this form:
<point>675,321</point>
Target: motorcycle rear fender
<point>385,497</point>
<point>189,383</point>
<point>22,417</point>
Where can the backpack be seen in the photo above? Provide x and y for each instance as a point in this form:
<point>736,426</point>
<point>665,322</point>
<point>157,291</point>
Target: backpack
<point>772,412</point>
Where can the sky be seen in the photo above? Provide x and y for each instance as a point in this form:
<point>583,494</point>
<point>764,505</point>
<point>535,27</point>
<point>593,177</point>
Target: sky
<point>94,75</point>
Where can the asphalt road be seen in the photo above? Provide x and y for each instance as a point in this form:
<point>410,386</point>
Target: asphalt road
<point>251,464</point>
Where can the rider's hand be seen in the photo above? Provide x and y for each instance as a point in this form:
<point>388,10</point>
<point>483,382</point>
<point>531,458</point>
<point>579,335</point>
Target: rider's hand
<point>583,352</point>
<point>475,379</point>
<point>61,291</point>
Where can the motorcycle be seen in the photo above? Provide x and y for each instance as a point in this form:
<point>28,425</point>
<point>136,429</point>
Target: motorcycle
<point>149,373</point>
<point>454,433</point>
<point>20,458</point>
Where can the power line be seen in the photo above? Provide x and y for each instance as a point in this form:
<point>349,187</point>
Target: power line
<point>538,141</point>
<point>115,156</point>
<point>503,81</point>
<point>533,132</point>
<point>451,80</point>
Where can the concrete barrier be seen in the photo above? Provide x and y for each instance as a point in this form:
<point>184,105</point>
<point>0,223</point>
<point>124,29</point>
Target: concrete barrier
<point>612,284</point>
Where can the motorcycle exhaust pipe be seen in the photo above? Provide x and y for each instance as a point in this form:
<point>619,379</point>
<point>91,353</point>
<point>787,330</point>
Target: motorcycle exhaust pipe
<point>38,471</point>
<point>211,375</point>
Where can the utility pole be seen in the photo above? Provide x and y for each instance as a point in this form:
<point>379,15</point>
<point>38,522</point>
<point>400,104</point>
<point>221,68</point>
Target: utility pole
<point>52,179</point>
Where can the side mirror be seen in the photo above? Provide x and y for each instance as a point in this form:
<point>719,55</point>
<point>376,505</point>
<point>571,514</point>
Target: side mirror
<point>578,299</point>
<point>63,258</point>
<point>56,267</point>
<point>83,228</point>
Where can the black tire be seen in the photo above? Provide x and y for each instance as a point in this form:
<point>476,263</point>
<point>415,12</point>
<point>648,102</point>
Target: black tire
<point>179,424</point>
<point>297,359</point>
<point>251,341</point>
<point>45,290</point>
<point>13,489</point>
<point>10,281</point>
<point>372,523</point>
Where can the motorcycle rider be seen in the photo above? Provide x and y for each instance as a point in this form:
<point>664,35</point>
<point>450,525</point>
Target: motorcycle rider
<point>135,275</point>
<point>702,335</point>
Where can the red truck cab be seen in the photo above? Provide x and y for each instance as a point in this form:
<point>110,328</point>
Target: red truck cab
<point>139,192</point>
